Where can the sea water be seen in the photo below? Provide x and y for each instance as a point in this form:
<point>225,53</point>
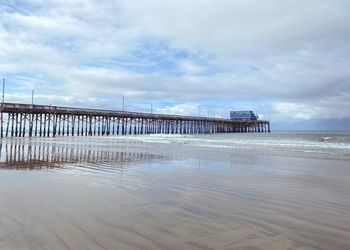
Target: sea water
<point>321,142</point>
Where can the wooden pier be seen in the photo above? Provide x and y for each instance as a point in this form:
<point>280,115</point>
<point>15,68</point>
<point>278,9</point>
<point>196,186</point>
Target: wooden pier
<point>26,120</point>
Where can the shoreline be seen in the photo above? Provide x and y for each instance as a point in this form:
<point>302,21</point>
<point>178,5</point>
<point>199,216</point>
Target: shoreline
<point>145,142</point>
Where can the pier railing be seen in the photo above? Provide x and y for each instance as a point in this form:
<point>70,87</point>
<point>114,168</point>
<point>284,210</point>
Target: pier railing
<point>20,120</point>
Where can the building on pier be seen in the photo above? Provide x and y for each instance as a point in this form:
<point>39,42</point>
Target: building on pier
<point>243,115</point>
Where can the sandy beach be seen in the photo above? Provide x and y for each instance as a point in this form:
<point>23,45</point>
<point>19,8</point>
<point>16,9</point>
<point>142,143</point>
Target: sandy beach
<point>99,193</point>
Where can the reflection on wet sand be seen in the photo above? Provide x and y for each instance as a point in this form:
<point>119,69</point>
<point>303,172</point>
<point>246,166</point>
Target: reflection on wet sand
<point>176,197</point>
<point>27,155</point>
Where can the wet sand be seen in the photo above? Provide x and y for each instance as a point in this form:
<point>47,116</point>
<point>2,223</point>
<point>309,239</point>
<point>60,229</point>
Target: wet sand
<point>102,193</point>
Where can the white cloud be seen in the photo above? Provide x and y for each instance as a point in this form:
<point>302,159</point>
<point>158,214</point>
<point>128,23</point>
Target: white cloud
<point>288,56</point>
<point>191,109</point>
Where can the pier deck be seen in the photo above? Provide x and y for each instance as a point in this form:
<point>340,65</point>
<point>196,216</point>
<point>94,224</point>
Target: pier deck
<point>20,120</point>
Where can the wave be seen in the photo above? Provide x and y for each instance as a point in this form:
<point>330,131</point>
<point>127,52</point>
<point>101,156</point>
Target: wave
<point>339,145</point>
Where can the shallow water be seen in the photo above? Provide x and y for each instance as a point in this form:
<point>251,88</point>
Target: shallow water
<point>319,142</point>
<point>169,193</point>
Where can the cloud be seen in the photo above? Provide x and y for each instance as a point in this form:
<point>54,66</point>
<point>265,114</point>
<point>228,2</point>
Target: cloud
<point>191,109</point>
<point>286,58</point>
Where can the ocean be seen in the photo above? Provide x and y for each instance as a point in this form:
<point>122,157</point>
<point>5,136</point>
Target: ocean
<point>279,190</point>
<point>318,142</point>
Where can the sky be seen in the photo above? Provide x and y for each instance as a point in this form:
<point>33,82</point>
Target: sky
<point>289,61</point>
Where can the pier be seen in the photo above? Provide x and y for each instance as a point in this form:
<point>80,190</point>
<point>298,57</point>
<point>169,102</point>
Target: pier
<point>27,120</point>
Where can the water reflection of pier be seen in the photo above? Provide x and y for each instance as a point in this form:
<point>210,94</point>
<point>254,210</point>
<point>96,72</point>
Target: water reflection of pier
<point>27,155</point>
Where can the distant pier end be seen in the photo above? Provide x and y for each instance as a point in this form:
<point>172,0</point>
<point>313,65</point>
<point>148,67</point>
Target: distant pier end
<point>26,120</point>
